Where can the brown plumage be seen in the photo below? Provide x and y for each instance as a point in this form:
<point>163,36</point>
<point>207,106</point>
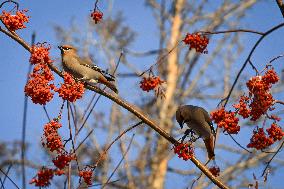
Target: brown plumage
<point>82,69</point>
<point>198,119</point>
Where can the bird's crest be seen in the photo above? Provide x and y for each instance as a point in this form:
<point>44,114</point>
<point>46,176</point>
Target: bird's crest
<point>67,48</point>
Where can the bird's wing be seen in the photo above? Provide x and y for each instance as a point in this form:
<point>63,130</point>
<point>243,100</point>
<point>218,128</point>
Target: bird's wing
<point>107,75</point>
<point>208,120</point>
<point>86,60</point>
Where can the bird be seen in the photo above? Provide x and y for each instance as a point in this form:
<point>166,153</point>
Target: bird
<point>198,121</point>
<point>83,69</point>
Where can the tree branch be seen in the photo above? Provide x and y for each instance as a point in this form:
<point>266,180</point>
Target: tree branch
<point>281,6</point>
<point>248,59</point>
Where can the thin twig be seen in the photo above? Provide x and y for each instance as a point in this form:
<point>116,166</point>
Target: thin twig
<point>232,31</point>
<point>239,143</point>
<point>279,102</point>
<point>71,137</point>
<point>87,117</point>
<point>123,156</point>
<point>73,115</point>
<point>96,4</point>
<point>89,105</point>
<point>160,60</point>
<point>84,140</point>
<point>16,3</point>
<point>9,178</point>
<point>268,163</point>
<point>281,6</point>
<point>93,185</point>
<point>24,126</point>
<point>46,113</point>
<point>253,67</point>
<point>83,124</point>
<point>275,58</point>
<point>3,182</point>
<point>118,137</point>
<point>73,147</point>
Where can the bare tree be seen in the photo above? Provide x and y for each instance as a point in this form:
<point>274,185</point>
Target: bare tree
<point>190,78</point>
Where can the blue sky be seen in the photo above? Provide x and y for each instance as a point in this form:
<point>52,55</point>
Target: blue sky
<point>46,14</point>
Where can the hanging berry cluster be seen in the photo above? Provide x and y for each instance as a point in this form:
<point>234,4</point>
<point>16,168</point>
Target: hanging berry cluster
<point>39,86</point>
<point>196,41</point>
<point>70,90</point>
<point>184,151</point>
<point>86,174</point>
<point>260,99</point>
<point>226,120</point>
<point>257,103</point>
<point>215,170</point>
<point>44,176</point>
<point>261,140</point>
<point>15,22</point>
<point>153,83</point>
<point>51,138</point>
<point>97,16</point>
<point>53,142</point>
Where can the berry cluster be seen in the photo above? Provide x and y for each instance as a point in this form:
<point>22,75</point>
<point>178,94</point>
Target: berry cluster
<point>38,86</point>
<point>40,54</point>
<point>226,120</point>
<point>184,151</point>
<point>260,98</point>
<point>43,177</point>
<point>70,90</point>
<point>15,22</point>
<point>97,16</point>
<point>153,83</point>
<point>63,160</point>
<point>196,41</point>
<point>86,174</point>
<point>150,83</point>
<point>51,138</point>
<point>215,170</point>
<point>275,132</point>
<point>260,140</point>
<point>242,108</point>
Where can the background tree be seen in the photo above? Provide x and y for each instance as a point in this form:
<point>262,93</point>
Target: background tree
<point>190,78</point>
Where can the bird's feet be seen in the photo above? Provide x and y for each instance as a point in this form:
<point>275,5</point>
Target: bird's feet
<point>192,134</point>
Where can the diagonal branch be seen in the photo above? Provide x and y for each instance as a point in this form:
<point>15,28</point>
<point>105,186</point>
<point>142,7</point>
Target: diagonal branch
<point>281,6</point>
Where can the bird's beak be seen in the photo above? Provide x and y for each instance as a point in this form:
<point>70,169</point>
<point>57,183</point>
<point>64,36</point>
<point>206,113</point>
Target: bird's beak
<point>60,47</point>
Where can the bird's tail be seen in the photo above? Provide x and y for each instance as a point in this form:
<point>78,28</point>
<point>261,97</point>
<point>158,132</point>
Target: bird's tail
<point>109,77</point>
<point>108,84</point>
<point>209,144</point>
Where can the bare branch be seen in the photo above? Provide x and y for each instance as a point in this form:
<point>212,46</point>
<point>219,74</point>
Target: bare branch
<point>281,6</point>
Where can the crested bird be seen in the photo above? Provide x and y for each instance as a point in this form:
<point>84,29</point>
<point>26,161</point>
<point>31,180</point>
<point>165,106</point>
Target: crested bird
<point>83,70</point>
<point>198,120</point>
